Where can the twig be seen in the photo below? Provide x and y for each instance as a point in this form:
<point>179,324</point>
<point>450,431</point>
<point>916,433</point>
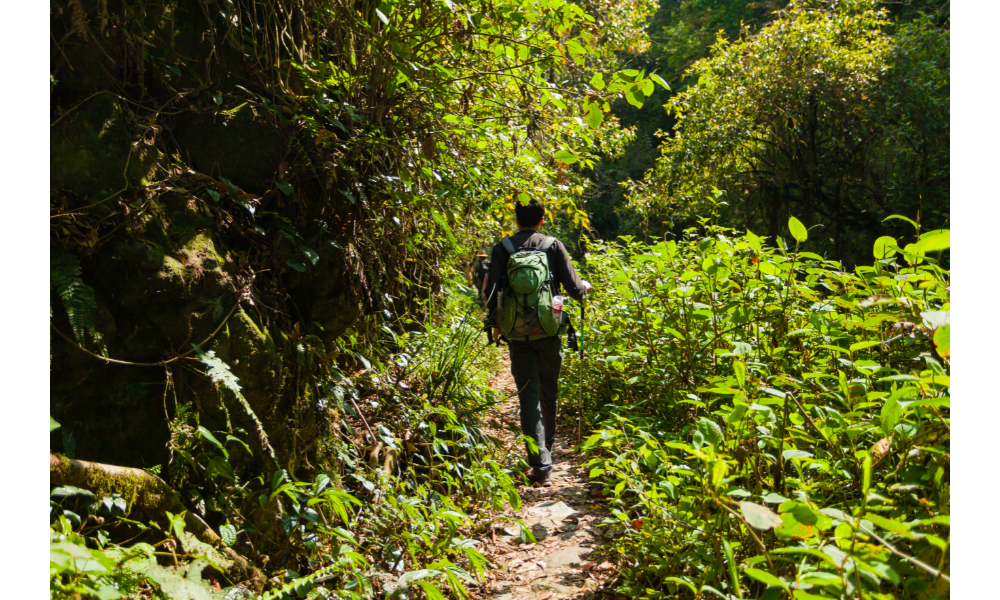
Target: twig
<point>360,414</point>
<point>913,561</point>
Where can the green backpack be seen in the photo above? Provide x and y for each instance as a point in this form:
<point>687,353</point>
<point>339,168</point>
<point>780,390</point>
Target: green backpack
<point>525,300</point>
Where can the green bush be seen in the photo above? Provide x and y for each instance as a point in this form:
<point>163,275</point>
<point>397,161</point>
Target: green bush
<point>767,424</point>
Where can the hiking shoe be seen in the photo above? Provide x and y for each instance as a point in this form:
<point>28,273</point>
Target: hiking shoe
<point>539,478</point>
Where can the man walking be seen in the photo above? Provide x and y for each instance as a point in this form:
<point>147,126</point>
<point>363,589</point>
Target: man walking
<point>535,348</point>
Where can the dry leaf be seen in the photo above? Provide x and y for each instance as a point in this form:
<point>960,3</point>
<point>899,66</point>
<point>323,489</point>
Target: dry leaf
<point>881,448</point>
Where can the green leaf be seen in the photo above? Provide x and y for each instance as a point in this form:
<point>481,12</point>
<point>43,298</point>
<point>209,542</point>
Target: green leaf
<point>739,410</point>
<point>934,241</point>
<point>798,230</point>
<point>800,521</point>
<point>885,247</point>
<point>177,524</point>
<point>432,592</point>
<point>793,453</point>
<point>910,221</point>
<point>310,254</point>
<point>53,424</point>
<point>284,187</point>
<point>734,579</point>
<point>594,118</point>
<point>228,534</point>
<point>759,517</point>
<point>890,415</point>
<point>566,157</point>
<point>765,578</point>
<point>636,98</point>
<point>942,341</point>
<point>710,431</point>
<point>297,264</point>
<point>207,435</point>
<point>866,478</point>
<point>659,80</point>
<point>740,370</point>
<point>598,81</point>
<point>685,581</point>
<point>863,345</point>
<point>773,498</point>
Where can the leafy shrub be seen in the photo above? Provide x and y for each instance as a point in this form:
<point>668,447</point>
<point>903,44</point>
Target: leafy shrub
<point>769,424</point>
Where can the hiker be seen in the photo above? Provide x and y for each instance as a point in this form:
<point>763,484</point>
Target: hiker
<point>522,291</point>
<point>480,270</point>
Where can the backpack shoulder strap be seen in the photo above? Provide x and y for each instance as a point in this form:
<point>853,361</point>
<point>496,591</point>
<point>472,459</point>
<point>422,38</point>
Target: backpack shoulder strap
<point>508,246</point>
<point>547,243</point>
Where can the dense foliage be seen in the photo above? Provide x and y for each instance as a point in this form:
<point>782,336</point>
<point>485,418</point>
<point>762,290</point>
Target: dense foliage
<point>403,505</point>
<point>262,219</point>
<point>833,111</point>
<point>260,214</point>
<point>768,424</point>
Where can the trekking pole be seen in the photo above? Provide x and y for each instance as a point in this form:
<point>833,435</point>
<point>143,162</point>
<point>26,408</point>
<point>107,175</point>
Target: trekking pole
<point>583,371</point>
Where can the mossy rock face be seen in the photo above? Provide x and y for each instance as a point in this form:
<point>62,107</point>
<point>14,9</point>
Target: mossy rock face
<point>166,279</point>
<point>240,147</point>
<point>327,291</point>
<point>159,288</point>
<point>92,150</point>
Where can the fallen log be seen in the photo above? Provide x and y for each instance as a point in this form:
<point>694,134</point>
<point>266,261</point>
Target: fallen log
<point>147,496</point>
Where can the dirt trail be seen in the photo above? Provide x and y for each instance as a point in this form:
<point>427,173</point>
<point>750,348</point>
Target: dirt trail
<point>563,518</point>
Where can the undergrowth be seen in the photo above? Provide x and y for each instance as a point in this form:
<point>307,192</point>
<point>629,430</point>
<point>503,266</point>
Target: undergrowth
<point>768,425</point>
<point>417,481</point>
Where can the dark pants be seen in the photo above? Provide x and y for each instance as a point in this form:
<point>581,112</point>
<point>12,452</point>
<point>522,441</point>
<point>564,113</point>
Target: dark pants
<point>535,366</point>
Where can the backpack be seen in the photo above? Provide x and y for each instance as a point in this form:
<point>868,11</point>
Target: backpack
<point>525,302</point>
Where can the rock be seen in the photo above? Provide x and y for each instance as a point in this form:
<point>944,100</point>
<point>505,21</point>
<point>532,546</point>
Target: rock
<point>575,493</point>
<point>511,530</point>
<point>549,514</point>
<point>548,584</point>
<point>571,556</point>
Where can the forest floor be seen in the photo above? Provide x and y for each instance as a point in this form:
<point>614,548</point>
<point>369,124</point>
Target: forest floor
<point>563,561</point>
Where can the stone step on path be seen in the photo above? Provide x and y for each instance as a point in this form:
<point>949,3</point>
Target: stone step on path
<point>561,562</point>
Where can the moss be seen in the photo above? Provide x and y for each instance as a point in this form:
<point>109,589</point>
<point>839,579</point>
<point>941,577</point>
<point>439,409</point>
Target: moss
<point>136,490</point>
<point>200,252</point>
<point>259,335</point>
<point>172,268</point>
<point>63,469</point>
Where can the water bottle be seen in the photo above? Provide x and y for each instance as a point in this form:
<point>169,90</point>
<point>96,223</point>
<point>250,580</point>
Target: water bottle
<point>557,306</point>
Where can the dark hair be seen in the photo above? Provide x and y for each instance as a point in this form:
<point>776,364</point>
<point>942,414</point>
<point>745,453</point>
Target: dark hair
<point>529,215</point>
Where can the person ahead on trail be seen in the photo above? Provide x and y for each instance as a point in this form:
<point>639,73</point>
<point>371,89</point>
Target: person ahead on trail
<point>522,291</point>
<point>480,267</point>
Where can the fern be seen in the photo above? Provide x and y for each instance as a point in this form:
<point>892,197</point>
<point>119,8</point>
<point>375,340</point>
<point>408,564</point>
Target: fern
<point>77,297</point>
<point>219,372</point>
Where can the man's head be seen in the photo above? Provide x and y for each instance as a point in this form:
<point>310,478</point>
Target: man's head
<point>529,216</point>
